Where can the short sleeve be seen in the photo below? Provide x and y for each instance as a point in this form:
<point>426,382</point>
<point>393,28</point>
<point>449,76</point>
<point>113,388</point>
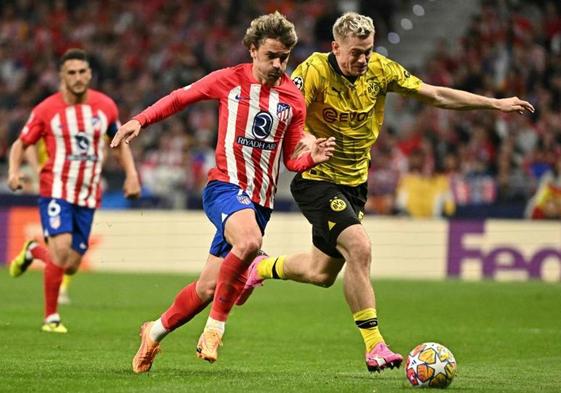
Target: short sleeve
<point>399,80</point>
<point>33,129</point>
<point>114,122</point>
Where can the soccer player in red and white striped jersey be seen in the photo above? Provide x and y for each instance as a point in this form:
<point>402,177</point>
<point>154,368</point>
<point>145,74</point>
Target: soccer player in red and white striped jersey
<point>73,124</point>
<point>261,120</point>
<point>256,122</point>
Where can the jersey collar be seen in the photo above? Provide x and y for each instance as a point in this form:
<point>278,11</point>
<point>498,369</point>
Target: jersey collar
<point>332,60</point>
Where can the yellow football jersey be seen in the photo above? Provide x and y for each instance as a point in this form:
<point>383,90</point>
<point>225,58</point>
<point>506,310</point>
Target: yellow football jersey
<point>351,112</point>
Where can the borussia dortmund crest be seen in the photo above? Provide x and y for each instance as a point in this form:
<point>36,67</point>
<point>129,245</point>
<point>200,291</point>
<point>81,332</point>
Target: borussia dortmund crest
<point>373,88</point>
<point>337,204</point>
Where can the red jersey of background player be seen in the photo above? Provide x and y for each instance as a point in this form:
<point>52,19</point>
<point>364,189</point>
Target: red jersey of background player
<point>255,124</point>
<point>73,137</point>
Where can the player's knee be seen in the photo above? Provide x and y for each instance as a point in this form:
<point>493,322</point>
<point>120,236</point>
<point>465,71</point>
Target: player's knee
<point>61,256</point>
<point>323,279</point>
<point>205,290</point>
<point>360,256</point>
<point>247,248</point>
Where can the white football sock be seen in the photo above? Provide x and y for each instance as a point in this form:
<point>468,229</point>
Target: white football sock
<point>213,324</point>
<point>53,318</point>
<point>158,331</point>
<point>28,252</point>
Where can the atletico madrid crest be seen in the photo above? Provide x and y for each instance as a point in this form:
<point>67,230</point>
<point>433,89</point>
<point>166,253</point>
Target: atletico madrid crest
<point>244,199</point>
<point>283,111</point>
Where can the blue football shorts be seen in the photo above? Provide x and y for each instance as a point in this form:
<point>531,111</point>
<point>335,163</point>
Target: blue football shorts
<point>59,216</point>
<point>220,201</point>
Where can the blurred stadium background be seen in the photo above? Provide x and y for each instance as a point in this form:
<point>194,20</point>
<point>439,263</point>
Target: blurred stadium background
<point>431,164</point>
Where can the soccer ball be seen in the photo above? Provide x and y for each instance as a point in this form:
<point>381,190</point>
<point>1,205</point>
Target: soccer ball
<point>430,365</point>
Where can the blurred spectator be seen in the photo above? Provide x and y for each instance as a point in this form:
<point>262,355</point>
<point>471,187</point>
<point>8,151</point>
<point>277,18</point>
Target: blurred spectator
<point>421,193</point>
<point>387,166</point>
<point>546,202</point>
<point>510,48</point>
<point>512,183</point>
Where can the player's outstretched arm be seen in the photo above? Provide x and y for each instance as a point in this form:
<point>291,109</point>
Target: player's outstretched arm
<point>127,132</point>
<point>323,149</point>
<point>448,98</point>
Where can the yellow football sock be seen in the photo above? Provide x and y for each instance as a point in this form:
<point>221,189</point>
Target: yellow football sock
<point>367,323</point>
<point>272,267</point>
<point>66,279</point>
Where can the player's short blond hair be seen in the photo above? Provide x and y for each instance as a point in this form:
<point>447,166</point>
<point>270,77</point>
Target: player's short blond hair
<point>274,26</point>
<point>353,24</point>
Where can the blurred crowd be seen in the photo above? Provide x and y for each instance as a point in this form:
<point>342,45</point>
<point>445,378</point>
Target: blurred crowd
<point>428,162</point>
<point>431,162</point>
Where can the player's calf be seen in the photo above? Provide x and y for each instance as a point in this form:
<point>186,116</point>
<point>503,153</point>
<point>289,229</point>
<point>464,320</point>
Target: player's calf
<point>253,281</point>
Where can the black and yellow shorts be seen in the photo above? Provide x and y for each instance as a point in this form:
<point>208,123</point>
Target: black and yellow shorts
<point>330,208</point>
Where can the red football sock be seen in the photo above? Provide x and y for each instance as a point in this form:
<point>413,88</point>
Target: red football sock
<point>231,281</point>
<point>41,252</point>
<point>52,277</point>
<point>186,305</point>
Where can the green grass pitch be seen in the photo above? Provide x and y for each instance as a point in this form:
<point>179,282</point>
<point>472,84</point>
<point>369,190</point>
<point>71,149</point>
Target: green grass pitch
<point>289,337</point>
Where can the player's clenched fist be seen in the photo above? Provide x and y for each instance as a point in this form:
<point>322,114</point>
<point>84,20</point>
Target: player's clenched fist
<point>14,181</point>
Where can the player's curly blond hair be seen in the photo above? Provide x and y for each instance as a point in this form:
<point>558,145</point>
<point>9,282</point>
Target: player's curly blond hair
<point>351,23</point>
<point>274,26</point>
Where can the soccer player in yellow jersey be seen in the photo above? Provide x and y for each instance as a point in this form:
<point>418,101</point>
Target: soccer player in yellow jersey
<point>345,91</point>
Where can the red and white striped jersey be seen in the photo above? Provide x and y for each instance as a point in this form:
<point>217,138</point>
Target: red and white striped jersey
<point>255,124</point>
<point>74,139</point>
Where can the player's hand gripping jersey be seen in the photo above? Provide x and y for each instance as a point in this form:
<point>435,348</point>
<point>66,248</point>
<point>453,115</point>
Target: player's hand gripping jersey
<point>255,123</point>
<point>351,112</point>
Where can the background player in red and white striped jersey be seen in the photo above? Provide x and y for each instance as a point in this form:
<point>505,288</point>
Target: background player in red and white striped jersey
<point>73,125</point>
<point>36,157</point>
<point>261,117</point>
